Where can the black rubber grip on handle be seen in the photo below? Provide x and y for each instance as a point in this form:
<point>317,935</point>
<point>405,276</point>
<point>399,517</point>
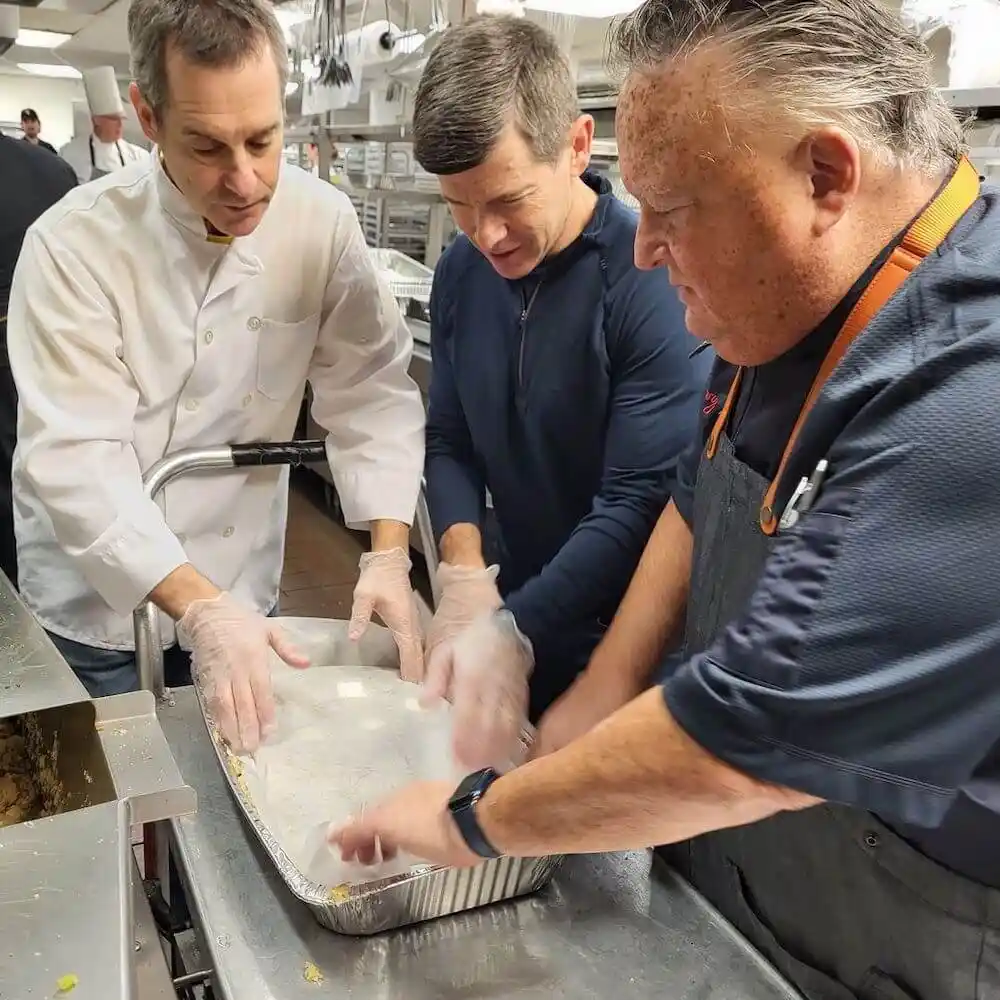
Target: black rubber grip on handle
<point>279,453</point>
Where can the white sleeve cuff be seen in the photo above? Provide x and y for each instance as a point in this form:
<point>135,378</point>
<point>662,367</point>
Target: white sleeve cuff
<point>378,495</point>
<point>128,560</point>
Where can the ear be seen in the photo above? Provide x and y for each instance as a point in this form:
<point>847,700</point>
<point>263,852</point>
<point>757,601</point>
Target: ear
<point>831,159</point>
<point>147,120</point>
<point>581,136</point>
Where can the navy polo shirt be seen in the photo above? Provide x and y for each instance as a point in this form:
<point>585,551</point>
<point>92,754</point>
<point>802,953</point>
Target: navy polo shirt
<point>866,667</point>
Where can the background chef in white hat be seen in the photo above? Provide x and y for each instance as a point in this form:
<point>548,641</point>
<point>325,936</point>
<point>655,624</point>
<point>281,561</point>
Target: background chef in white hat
<point>102,149</point>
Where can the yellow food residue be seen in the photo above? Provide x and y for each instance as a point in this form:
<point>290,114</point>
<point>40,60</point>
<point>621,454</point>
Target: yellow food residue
<point>236,770</point>
<point>311,973</point>
<point>68,983</point>
<point>340,893</point>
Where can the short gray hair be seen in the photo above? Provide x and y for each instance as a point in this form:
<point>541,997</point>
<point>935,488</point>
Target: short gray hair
<point>215,33</point>
<point>851,63</point>
<point>486,73</point>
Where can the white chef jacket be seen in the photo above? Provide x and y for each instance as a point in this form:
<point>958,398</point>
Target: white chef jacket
<point>132,335</point>
<point>108,156</point>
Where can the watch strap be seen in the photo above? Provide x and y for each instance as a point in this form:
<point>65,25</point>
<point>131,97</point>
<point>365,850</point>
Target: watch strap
<point>463,811</point>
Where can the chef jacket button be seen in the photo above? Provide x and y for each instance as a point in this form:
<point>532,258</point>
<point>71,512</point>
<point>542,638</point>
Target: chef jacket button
<point>209,336</point>
<point>229,532</point>
<point>191,404</point>
<point>248,399</point>
<point>253,323</point>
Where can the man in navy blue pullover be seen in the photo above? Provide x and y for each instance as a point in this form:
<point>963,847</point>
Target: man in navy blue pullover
<point>565,385</point>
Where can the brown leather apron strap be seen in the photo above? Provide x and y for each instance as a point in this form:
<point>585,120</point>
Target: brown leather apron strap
<point>926,234</point>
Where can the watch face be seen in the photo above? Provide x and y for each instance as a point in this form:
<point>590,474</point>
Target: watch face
<point>471,788</point>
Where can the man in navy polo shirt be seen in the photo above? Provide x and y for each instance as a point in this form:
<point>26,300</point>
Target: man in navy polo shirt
<point>563,381</point>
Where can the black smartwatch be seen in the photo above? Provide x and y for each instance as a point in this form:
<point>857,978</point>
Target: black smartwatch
<point>462,806</point>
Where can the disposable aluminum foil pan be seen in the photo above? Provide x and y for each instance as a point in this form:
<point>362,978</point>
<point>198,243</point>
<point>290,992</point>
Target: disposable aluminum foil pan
<point>372,907</point>
<point>406,277</point>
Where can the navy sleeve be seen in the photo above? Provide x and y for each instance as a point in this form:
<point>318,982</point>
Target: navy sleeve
<point>687,475</point>
<point>655,390</point>
<point>865,669</point>
<point>455,490</point>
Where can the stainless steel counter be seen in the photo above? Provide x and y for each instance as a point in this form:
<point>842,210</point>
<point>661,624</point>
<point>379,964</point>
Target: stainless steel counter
<point>609,926</point>
<point>70,904</point>
<point>32,673</point>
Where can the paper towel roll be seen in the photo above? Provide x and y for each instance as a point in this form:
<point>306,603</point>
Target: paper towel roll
<point>369,44</point>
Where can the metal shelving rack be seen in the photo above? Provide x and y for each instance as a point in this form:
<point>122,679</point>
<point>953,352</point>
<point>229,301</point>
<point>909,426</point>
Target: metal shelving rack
<point>399,208</point>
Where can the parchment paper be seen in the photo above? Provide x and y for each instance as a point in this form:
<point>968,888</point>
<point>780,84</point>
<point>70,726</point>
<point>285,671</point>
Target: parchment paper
<point>346,737</point>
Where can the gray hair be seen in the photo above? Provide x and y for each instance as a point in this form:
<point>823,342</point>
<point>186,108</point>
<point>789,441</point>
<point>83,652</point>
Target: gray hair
<point>215,33</point>
<point>486,73</point>
<point>846,62</point>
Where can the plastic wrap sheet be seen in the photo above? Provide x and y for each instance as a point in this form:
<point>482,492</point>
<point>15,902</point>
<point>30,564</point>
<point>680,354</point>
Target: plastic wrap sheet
<point>346,737</point>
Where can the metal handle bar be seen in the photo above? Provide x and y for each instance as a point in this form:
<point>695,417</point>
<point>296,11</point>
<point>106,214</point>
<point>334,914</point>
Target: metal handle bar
<point>145,618</point>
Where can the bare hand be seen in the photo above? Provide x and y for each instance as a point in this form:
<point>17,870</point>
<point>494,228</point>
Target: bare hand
<point>414,820</point>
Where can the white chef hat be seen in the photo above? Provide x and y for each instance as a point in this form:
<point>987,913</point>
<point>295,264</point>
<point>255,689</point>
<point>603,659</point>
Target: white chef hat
<point>101,88</point>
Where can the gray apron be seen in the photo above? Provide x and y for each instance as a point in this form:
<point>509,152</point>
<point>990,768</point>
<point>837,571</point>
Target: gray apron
<point>94,172</point>
<point>843,907</point>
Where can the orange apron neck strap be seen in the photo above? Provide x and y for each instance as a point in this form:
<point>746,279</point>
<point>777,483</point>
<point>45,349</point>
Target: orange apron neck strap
<point>723,418</point>
<point>926,234</point>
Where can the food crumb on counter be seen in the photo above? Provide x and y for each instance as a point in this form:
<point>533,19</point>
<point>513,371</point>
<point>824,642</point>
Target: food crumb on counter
<point>68,983</point>
<point>312,974</point>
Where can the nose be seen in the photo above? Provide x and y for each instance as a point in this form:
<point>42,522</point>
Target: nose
<point>491,231</point>
<point>650,249</point>
<point>240,178</point>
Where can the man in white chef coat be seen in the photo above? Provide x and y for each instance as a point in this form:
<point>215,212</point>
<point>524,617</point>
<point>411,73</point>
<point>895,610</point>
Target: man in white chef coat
<point>102,150</point>
<point>184,302</point>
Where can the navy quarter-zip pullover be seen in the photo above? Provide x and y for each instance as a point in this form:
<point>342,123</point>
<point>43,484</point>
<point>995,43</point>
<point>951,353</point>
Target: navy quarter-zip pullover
<point>569,395</point>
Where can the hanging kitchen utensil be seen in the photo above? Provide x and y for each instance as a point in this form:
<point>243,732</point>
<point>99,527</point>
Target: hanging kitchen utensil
<point>331,56</point>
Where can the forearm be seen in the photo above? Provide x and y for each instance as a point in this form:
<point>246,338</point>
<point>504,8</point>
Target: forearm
<point>634,781</point>
<point>388,534</point>
<point>177,591</point>
<point>651,615</point>
<point>456,494</point>
<point>462,545</point>
<point>587,577</point>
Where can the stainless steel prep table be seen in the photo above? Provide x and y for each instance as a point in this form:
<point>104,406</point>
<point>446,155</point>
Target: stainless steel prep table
<point>608,926</point>
<point>71,901</point>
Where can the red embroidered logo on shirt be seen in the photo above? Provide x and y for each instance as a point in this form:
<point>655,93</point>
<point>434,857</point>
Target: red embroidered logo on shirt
<point>711,403</point>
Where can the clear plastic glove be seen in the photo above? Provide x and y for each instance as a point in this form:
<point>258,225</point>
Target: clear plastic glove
<point>466,593</point>
<point>484,673</point>
<point>230,651</point>
<point>384,587</point>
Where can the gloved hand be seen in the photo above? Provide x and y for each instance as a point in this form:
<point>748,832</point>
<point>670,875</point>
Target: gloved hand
<point>466,593</point>
<point>484,673</point>
<point>230,648</point>
<point>384,587</point>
